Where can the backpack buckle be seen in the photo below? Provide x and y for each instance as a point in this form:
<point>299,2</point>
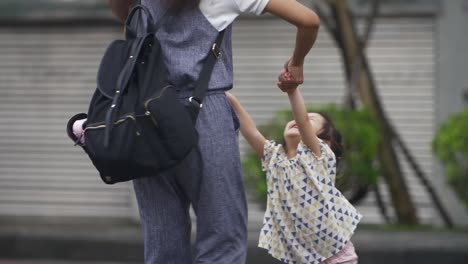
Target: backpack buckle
<point>195,101</point>
<point>216,51</point>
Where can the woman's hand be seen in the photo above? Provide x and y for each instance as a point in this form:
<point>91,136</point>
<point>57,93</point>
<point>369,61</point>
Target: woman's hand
<point>291,77</point>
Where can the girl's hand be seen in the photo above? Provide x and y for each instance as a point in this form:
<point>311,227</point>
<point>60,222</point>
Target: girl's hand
<point>232,99</point>
<point>247,126</point>
<point>291,77</point>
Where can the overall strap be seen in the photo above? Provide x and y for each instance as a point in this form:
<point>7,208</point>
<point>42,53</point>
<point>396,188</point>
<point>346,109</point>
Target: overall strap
<point>201,86</point>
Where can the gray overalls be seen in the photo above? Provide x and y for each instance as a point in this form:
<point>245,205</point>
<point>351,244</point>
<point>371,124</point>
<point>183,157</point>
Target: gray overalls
<point>210,179</point>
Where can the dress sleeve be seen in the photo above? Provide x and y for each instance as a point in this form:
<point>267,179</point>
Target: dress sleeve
<point>271,154</point>
<point>326,160</point>
<point>304,152</point>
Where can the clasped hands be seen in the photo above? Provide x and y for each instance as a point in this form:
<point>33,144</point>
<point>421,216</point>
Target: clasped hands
<point>290,77</point>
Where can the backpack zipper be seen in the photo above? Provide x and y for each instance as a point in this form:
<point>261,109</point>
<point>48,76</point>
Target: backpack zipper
<point>146,105</point>
<point>119,121</point>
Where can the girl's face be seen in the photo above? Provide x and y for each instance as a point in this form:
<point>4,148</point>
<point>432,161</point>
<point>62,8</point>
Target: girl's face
<point>291,130</point>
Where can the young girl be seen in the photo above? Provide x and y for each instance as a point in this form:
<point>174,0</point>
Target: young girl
<point>307,219</point>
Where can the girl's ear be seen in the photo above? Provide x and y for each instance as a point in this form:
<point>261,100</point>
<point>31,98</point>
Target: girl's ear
<point>319,131</point>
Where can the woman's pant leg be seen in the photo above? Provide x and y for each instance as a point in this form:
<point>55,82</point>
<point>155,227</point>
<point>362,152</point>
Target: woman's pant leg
<point>211,179</point>
<point>164,214</point>
<point>221,206</point>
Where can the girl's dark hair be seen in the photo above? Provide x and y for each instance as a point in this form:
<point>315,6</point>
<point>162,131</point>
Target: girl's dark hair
<point>179,5</point>
<point>332,136</point>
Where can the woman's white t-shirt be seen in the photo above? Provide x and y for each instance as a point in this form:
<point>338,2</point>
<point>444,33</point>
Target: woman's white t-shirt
<point>221,13</point>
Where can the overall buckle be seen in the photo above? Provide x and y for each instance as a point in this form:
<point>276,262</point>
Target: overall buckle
<point>216,51</point>
<point>195,101</point>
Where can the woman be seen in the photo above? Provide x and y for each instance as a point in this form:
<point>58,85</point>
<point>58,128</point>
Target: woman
<point>212,180</point>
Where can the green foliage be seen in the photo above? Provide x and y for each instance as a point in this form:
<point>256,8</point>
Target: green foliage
<point>450,144</point>
<point>360,140</point>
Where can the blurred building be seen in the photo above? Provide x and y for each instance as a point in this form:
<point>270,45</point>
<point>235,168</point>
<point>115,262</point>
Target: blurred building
<point>50,51</point>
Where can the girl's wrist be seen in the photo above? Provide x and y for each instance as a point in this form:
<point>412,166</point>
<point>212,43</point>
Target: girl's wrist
<point>292,91</point>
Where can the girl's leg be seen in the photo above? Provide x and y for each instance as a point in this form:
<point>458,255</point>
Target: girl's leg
<point>346,256</point>
<point>221,207</point>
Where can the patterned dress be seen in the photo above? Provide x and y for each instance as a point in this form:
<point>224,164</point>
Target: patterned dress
<point>307,219</point>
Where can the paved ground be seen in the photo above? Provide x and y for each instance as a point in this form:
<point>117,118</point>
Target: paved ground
<point>104,242</point>
<point>5,261</point>
<point>113,244</point>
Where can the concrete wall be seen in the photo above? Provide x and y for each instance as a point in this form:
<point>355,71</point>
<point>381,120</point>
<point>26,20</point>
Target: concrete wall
<point>452,39</point>
<point>451,87</point>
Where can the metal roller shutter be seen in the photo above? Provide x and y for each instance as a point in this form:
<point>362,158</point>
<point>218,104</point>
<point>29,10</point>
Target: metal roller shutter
<point>46,75</point>
<point>402,56</point>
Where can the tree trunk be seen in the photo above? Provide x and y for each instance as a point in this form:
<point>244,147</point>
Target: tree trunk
<point>380,203</point>
<point>402,202</point>
<point>427,184</point>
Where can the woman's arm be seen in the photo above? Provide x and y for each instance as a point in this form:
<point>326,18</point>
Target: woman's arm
<point>247,126</point>
<point>307,23</point>
<point>304,125</point>
<point>120,8</point>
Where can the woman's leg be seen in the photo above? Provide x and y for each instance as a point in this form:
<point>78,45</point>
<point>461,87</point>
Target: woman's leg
<point>164,213</point>
<point>211,179</point>
<point>221,207</point>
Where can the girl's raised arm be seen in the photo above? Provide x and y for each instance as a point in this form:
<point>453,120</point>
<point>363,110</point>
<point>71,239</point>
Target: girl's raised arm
<point>247,126</point>
<point>306,129</point>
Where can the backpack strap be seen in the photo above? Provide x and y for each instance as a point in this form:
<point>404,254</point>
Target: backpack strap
<point>121,86</point>
<point>135,3</point>
<point>137,13</point>
<point>127,70</point>
<point>201,86</point>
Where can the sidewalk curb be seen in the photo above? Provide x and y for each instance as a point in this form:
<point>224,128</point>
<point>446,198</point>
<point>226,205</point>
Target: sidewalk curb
<point>124,244</point>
